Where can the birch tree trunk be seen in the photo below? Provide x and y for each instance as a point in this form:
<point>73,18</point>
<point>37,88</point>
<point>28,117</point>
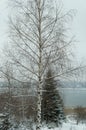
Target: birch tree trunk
<point>39,97</point>
<point>39,90</point>
<point>38,36</point>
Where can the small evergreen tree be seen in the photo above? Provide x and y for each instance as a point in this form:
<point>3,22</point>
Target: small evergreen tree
<point>52,105</point>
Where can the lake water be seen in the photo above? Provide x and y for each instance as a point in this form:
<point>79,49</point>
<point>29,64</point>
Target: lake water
<point>73,97</point>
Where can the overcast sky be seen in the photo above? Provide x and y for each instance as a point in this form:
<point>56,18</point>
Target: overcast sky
<point>78,26</point>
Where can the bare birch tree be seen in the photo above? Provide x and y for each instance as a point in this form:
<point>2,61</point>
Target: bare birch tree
<point>38,34</point>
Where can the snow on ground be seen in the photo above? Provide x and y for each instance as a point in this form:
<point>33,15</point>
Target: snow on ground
<point>66,126</point>
<point>70,124</point>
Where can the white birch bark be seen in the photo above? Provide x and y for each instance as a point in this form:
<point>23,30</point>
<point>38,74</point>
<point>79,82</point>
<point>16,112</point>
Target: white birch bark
<point>39,40</point>
<point>38,127</point>
<point>39,89</point>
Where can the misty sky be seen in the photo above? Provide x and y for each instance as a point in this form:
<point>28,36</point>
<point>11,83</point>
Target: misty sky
<point>78,25</point>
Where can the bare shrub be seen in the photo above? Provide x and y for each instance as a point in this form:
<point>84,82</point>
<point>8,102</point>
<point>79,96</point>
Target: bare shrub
<point>80,114</point>
<point>16,106</point>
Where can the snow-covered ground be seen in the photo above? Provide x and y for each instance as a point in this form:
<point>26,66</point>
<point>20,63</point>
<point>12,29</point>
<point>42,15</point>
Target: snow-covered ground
<point>66,126</point>
<point>71,124</point>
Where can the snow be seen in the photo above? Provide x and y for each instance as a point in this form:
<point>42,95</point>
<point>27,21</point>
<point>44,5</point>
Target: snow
<point>66,126</point>
<point>70,124</point>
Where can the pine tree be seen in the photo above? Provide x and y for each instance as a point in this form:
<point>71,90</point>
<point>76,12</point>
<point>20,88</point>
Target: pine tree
<point>52,105</point>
